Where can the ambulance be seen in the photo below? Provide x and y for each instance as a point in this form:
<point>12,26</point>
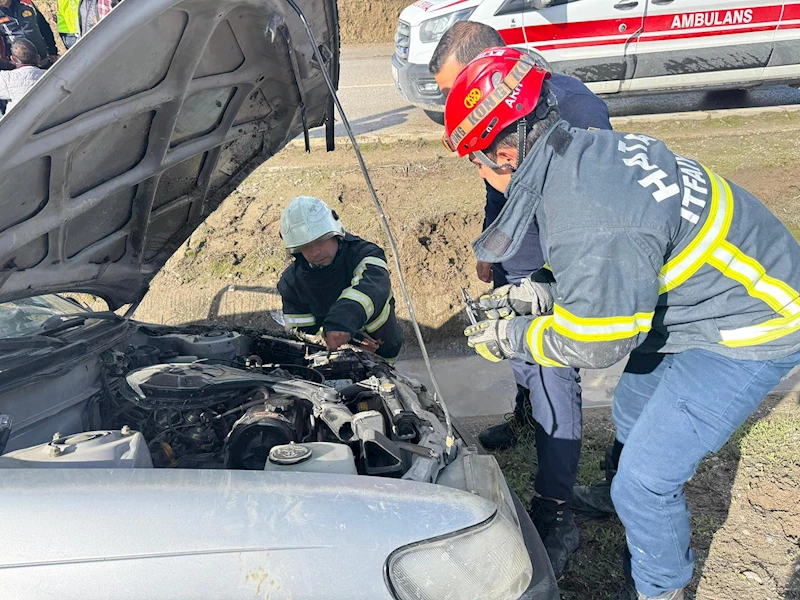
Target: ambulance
<point>616,47</point>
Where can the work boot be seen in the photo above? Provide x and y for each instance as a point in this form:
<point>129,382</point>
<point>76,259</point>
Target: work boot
<point>594,501</point>
<point>505,435</point>
<point>556,526</point>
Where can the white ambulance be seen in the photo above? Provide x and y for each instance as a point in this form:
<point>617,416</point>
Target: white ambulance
<point>617,46</point>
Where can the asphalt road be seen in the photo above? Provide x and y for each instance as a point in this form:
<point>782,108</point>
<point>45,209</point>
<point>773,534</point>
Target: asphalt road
<point>373,106</point>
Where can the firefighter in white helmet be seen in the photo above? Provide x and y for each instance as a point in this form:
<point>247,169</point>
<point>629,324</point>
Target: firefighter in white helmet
<point>338,283</point>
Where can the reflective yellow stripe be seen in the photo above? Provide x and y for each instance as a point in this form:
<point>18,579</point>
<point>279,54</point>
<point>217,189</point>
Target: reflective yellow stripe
<point>361,298</point>
<point>534,337</point>
<point>305,320</point>
<point>358,272</point>
<point>382,318</point>
<point>733,263</point>
<point>710,236</point>
<point>603,329</point>
<point>760,334</point>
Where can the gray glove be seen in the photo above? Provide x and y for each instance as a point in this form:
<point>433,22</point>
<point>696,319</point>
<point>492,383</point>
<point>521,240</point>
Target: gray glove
<point>509,301</point>
<point>489,339</point>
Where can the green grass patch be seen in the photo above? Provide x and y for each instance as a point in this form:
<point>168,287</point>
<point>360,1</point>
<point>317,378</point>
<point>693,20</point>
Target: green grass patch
<point>595,571</point>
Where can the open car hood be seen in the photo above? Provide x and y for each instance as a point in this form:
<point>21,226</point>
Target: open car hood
<point>143,128</point>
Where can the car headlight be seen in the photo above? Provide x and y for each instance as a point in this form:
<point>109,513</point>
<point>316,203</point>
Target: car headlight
<point>488,561</point>
<point>432,30</point>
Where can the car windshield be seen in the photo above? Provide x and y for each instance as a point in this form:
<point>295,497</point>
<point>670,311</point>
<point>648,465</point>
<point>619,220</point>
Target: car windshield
<point>25,317</point>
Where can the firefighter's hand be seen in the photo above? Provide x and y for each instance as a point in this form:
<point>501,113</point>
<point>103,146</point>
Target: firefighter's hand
<point>509,301</point>
<point>484,270</point>
<point>488,338</point>
<point>369,342</point>
<point>335,339</point>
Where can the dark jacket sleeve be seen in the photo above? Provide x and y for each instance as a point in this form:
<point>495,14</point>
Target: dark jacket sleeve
<point>365,303</point>
<point>47,33</point>
<point>296,313</point>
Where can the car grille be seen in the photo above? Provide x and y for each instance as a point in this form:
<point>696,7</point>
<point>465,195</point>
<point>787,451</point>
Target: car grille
<point>401,40</point>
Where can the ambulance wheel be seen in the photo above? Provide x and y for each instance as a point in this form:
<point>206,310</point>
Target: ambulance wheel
<point>436,117</point>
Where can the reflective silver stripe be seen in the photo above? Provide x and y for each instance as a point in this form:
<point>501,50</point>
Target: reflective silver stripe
<point>358,272</point>
<point>535,342</point>
<point>711,235</point>
<point>760,334</point>
<point>360,297</point>
<point>380,321</point>
<point>306,320</point>
<point>600,329</point>
<point>733,263</point>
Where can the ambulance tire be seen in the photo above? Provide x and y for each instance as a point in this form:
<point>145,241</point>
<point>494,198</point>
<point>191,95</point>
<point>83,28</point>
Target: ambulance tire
<point>436,117</point>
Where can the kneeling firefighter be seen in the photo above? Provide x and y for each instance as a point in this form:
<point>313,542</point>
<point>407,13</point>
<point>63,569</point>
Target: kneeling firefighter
<point>652,255</point>
<point>338,283</point>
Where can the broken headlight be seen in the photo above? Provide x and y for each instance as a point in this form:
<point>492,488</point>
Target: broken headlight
<point>489,561</point>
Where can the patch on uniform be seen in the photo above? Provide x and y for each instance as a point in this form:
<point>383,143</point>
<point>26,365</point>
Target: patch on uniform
<point>27,13</point>
<point>4,20</point>
<point>497,242</point>
<point>559,140</point>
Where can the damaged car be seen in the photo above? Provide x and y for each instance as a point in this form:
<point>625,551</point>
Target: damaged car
<point>150,461</point>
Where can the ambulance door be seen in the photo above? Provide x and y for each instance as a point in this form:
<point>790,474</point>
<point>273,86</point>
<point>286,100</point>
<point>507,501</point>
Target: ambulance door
<point>588,39</point>
<point>701,43</point>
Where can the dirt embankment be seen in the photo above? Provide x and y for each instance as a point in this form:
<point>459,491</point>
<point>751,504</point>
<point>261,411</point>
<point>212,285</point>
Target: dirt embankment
<point>361,21</point>
<point>364,21</point>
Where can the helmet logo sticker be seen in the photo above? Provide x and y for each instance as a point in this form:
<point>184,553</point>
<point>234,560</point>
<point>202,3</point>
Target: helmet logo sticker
<point>473,97</point>
<point>500,93</point>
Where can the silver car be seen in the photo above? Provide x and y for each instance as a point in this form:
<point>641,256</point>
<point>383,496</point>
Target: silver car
<point>142,461</point>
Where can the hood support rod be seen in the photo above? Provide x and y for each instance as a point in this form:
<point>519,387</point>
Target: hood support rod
<point>298,82</point>
<point>450,441</point>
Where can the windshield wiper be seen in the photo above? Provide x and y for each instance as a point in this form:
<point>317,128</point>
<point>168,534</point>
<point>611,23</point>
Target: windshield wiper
<point>29,341</point>
<point>59,323</point>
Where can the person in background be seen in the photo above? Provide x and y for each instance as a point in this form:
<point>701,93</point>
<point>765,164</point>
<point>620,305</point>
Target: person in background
<point>15,84</point>
<point>20,19</point>
<point>69,21</point>
<point>91,12</point>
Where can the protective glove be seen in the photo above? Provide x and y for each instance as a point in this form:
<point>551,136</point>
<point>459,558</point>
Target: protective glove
<point>509,301</point>
<point>488,338</point>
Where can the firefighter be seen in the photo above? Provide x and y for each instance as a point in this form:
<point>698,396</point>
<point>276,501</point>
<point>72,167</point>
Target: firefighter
<point>552,396</point>
<point>651,253</point>
<point>338,283</point>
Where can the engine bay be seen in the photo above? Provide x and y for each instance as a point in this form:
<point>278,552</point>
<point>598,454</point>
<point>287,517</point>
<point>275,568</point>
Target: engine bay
<point>231,400</point>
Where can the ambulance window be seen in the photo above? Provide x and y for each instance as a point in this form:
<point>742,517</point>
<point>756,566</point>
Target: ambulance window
<point>517,6</point>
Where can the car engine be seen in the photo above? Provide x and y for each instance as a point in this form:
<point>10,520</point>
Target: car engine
<point>223,399</point>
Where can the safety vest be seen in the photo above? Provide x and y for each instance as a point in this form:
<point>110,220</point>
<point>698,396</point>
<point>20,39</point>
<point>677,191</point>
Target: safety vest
<point>69,17</point>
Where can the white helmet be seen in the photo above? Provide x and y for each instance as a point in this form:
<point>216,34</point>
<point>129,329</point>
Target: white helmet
<point>307,220</point>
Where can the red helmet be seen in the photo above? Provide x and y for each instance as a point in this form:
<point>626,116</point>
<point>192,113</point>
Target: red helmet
<point>497,89</point>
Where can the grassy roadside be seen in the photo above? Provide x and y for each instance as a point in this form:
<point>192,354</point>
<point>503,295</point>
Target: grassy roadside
<point>745,517</point>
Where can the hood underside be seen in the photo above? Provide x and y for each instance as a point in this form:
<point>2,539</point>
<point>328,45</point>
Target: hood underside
<point>143,128</point>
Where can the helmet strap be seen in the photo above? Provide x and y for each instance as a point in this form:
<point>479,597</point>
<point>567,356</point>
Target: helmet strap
<point>522,138</point>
